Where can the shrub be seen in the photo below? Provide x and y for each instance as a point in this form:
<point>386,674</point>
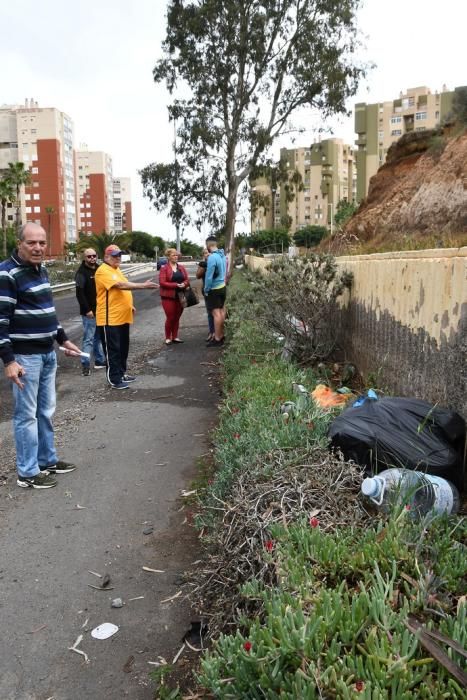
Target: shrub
<point>298,300</point>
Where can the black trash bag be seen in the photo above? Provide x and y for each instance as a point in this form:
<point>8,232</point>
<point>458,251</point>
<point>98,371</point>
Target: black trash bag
<point>405,433</point>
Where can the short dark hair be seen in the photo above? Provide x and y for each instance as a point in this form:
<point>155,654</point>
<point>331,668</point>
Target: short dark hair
<point>211,239</point>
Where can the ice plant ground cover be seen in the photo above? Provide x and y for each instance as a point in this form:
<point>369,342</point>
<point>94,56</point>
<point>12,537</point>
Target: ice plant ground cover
<point>307,594</point>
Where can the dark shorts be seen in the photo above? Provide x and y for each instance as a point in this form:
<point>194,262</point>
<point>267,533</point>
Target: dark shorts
<point>216,299</point>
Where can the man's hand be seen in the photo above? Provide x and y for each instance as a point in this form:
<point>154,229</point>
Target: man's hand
<point>13,372</point>
<point>150,285</point>
<point>90,314</point>
<point>71,350</point>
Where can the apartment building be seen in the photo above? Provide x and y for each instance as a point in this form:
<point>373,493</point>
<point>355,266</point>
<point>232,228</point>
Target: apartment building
<point>122,204</point>
<point>42,139</point>
<point>328,174</point>
<point>94,187</point>
<point>379,125</point>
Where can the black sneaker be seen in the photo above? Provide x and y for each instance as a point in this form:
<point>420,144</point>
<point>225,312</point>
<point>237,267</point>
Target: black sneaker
<point>40,481</point>
<point>86,371</point>
<point>120,385</point>
<point>128,378</point>
<point>58,468</point>
<point>97,365</point>
<point>215,343</point>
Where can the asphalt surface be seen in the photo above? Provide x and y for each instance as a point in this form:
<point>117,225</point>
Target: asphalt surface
<point>121,510</point>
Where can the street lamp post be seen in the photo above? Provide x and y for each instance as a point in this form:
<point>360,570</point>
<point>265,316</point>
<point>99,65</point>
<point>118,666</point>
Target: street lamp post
<point>177,222</point>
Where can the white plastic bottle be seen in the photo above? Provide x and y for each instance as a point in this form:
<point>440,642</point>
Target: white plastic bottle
<point>420,493</point>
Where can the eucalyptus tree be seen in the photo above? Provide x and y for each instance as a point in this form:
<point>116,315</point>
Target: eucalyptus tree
<point>238,71</point>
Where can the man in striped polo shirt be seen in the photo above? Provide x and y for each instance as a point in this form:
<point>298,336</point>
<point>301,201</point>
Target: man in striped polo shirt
<point>28,329</point>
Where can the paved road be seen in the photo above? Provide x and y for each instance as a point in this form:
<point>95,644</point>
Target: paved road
<point>136,450</point>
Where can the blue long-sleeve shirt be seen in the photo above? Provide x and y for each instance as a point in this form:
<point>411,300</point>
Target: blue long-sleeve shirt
<point>28,321</point>
<point>215,271</point>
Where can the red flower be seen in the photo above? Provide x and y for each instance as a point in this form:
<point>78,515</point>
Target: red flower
<point>359,685</point>
<point>314,522</point>
<point>408,506</point>
<point>269,545</point>
<point>247,646</point>
<point>236,436</point>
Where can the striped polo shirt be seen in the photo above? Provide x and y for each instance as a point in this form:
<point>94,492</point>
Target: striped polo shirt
<point>28,320</point>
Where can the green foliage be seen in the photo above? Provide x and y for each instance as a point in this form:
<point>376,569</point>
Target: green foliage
<point>309,236</point>
<point>335,626</point>
<point>266,241</point>
<point>344,211</point>
<point>7,236</point>
<point>140,242</point>
<point>188,248</point>
<point>298,300</point>
<point>100,241</point>
<point>256,381</point>
<point>459,105</point>
<point>246,68</point>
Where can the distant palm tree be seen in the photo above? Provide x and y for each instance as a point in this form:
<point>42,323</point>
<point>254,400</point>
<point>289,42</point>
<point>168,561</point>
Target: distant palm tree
<point>100,241</point>
<point>19,177</point>
<point>7,193</point>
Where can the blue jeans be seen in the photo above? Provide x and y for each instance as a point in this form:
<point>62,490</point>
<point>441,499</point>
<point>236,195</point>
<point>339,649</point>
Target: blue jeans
<point>34,410</point>
<point>91,342</point>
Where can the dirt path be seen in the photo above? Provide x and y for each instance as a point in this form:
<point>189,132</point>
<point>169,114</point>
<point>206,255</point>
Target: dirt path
<point>136,451</point>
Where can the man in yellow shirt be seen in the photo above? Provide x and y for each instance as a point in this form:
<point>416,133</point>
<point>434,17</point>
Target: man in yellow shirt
<point>114,314</point>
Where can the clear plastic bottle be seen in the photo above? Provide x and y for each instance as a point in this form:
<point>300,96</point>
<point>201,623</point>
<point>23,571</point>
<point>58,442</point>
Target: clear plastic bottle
<point>420,493</point>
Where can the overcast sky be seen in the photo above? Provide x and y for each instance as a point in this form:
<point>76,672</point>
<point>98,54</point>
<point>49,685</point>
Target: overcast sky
<point>93,59</point>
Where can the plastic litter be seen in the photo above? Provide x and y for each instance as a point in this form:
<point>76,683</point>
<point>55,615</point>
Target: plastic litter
<point>104,631</point>
<point>402,433</point>
<point>327,398</point>
<point>420,493</point>
<point>117,603</point>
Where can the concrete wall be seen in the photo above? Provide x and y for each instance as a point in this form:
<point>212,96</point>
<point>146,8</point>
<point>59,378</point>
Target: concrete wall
<point>405,320</point>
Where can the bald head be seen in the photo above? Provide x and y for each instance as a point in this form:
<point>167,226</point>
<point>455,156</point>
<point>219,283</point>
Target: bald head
<point>90,257</point>
<point>32,243</point>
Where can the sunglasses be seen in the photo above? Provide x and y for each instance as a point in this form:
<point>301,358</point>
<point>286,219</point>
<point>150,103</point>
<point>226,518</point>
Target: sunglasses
<point>91,256</point>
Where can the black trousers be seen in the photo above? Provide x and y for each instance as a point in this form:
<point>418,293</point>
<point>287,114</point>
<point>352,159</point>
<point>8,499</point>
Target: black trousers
<point>116,344</point>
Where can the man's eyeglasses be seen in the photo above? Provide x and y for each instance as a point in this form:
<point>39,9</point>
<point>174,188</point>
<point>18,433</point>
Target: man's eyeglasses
<point>91,256</point>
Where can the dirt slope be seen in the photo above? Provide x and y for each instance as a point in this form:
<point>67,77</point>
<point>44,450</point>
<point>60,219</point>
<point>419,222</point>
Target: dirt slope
<point>420,191</point>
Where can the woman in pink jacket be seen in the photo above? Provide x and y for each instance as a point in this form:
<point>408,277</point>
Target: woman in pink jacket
<point>173,279</point>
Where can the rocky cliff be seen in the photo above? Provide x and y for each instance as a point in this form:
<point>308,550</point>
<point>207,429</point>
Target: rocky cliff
<point>420,191</point>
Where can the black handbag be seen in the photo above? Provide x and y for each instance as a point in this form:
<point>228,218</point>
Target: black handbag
<point>191,297</point>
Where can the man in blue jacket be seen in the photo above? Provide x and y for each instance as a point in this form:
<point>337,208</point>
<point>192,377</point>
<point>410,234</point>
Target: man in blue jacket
<point>215,289</point>
<point>28,329</point>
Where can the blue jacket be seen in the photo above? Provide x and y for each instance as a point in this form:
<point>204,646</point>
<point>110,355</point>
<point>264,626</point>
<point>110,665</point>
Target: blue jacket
<point>215,272</point>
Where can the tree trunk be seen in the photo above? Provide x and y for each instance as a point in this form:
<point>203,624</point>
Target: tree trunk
<point>230,225</point>
<point>18,207</point>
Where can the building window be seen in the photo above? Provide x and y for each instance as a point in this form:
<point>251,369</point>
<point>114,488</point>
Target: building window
<point>28,210</point>
<point>396,120</point>
<point>36,196</point>
<point>420,128</point>
<point>420,116</point>
<point>37,210</point>
<point>396,132</point>
<point>27,196</point>
<point>33,131</point>
<point>35,171</point>
<point>436,115</point>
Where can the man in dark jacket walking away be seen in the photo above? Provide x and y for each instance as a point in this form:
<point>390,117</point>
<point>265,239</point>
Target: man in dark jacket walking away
<point>86,295</point>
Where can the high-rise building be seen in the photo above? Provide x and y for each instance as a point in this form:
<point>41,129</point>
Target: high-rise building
<point>327,174</point>
<point>122,204</point>
<point>380,124</point>
<point>42,139</point>
<point>94,184</point>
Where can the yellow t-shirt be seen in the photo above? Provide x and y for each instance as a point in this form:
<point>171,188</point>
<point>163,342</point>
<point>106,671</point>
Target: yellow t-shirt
<point>114,306</point>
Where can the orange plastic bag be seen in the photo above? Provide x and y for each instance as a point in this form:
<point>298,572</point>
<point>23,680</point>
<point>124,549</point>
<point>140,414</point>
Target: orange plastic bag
<point>327,398</point>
